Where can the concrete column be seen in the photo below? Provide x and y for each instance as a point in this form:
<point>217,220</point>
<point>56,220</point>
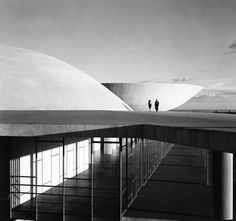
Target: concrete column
<point>205,153</point>
<point>102,145</point>
<point>223,185</point>
<point>209,167</point>
<point>90,147</point>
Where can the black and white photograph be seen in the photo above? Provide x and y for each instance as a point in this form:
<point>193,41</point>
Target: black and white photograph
<point>117,110</point>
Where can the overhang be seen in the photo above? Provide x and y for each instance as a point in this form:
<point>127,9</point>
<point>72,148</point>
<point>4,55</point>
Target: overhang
<point>204,130</point>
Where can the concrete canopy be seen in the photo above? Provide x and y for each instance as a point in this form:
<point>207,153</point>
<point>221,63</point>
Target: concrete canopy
<point>34,81</point>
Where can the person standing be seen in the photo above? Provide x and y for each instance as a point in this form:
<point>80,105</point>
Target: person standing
<point>156,105</point>
<point>149,105</point>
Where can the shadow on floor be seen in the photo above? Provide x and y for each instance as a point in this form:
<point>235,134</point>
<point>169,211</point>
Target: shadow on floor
<point>176,191</point>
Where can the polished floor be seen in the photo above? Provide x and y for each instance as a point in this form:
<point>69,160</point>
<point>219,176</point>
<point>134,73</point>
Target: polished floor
<point>176,191</point>
<point>79,196</point>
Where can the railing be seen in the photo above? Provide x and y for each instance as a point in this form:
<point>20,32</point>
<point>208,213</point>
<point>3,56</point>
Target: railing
<point>105,190</point>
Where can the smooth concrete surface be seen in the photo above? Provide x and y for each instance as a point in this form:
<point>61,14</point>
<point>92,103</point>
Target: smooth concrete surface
<point>209,131</point>
<point>209,167</point>
<point>31,119</point>
<point>34,81</point>
<point>96,117</point>
<point>227,186</point>
<point>170,95</point>
<point>143,219</point>
<point>223,185</point>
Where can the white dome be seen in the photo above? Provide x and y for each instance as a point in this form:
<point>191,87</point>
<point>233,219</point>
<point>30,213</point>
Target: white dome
<point>34,81</point>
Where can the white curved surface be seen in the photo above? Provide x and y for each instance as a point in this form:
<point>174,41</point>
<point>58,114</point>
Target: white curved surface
<point>34,81</point>
<point>170,95</point>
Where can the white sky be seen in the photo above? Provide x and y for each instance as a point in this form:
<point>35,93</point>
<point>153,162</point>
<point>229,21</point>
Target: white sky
<point>129,40</point>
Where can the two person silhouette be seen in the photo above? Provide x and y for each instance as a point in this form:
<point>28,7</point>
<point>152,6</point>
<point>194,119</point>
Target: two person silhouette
<point>156,105</point>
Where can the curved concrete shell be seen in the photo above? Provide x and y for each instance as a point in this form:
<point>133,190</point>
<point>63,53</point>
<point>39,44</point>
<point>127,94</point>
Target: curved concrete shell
<point>34,81</point>
<point>170,95</point>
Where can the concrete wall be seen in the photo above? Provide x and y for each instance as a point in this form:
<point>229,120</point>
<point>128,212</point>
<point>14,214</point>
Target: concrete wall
<point>4,167</point>
<point>4,178</point>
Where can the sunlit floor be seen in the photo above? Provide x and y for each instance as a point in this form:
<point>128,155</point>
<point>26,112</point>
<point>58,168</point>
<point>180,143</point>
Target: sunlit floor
<point>79,195</point>
<point>176,191</point>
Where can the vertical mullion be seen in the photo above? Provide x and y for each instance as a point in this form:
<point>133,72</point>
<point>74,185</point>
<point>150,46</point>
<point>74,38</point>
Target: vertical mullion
<point>12,195</point>
<point>18,181</point>
<point>91,149</point>
<point>10,189</point>
<point>63,179</point>
<point>132,170</point>
<point>121,189</point>
<point>51,166</point>
<point>14,181</point>
<point>36,179</point>
<point>127,178</point>
<point>32,176</point>
<point>147,150</point>
<point>141,162</point>
<point>42,150</point>
<point>76,158</point>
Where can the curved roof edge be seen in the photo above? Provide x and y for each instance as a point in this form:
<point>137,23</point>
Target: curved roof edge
<point>34,81</point>
<point>170,95</point>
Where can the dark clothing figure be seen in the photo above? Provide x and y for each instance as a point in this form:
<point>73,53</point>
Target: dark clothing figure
<point>156,105</point>
<point>149,104</point>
